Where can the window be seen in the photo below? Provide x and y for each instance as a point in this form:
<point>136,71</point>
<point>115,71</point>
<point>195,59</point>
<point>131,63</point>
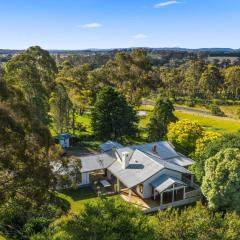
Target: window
<point>141,188</point>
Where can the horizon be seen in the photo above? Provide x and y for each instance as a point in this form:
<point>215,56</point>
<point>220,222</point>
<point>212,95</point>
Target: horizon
<point>102,49</point>
<point>83,25</point>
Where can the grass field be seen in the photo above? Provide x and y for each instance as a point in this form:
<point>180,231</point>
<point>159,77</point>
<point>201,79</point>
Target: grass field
<point>212,123</point>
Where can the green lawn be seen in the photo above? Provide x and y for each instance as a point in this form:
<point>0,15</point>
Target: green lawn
<point>211,123</point>
<point>79,197</point>
<point>2,238</point>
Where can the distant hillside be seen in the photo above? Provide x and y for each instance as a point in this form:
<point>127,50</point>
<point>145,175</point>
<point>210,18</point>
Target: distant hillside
<point>217,51</point>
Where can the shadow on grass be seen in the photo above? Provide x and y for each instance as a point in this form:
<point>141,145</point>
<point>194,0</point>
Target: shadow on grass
<point>86,146</point>
<point>80,193</point>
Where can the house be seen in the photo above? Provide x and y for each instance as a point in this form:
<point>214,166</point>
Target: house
<point>64,139</point>
<point>151,171</point>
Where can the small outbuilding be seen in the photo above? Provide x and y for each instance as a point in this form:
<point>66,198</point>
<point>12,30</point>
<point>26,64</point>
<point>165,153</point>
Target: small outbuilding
<point>65,140</point>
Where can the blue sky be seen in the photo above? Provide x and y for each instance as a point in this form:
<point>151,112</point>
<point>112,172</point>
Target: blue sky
<point>82,24</point>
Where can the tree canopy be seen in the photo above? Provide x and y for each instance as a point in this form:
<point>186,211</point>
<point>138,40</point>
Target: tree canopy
<point>222,179</point>
<point>161,117</point>
<point>184,134</point>
<point>103,220</point>
<point>112,117</point>
<point>211,148</point>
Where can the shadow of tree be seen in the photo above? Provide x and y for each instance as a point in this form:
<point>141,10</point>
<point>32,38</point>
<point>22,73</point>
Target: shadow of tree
<point>80,193</point>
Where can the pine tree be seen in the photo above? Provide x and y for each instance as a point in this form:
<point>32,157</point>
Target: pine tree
<point>112,118</point>
<point>162,116</point>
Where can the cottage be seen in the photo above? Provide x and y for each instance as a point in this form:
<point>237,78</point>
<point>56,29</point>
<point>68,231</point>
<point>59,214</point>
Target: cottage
<point>152,171</point>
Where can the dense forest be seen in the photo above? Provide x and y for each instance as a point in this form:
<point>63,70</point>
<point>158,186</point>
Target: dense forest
<point>40,93</point>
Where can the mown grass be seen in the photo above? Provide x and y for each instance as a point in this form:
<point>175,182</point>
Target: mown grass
<point>211,123</point>
<point>80,197</point>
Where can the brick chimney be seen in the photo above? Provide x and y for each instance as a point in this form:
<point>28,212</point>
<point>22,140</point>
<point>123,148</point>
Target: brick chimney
<point>154,148</point>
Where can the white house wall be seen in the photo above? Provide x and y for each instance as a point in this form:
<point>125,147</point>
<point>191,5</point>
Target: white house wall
<point>147,188</point>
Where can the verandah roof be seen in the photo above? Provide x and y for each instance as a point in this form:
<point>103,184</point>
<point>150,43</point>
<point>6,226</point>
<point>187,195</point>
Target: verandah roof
<point>164,181</point>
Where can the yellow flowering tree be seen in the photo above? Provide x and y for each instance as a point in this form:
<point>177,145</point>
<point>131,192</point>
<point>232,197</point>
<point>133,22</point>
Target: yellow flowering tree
<point>184,134</point>
<point>207,136</point>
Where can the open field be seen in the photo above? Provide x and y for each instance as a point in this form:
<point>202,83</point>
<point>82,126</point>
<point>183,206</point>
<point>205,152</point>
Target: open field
<point>209,122</point>
<point>217,124</point>
<point>232,111</point>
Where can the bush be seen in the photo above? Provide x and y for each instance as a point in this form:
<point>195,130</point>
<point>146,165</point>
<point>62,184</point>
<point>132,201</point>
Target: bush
<point>238,112</point>
<point>190,102</point>
<point>216,110</point>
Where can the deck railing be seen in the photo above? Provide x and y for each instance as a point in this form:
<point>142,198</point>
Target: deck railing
<point>190,197</point>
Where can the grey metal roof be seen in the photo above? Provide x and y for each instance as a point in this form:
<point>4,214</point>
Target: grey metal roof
<point>166,152</point>
<point>97,162</point>
<point>181,161</point>
<point>169,165</point>
<point>109,145</point>
<point>141,167</point>
<point>144,163</point>
<point>164,181</point>
<point>163,149</point>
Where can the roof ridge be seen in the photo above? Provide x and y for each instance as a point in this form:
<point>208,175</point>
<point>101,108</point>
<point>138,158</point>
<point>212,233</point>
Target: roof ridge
<point>147,155</point>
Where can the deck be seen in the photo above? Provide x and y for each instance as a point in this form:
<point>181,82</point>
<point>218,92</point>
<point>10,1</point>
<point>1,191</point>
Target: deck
<point>135,199</point>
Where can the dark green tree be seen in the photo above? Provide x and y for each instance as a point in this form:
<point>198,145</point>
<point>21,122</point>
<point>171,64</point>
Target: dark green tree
<point>211,149</point>
<point>112,117</point>
<point>26,179</point>
<point>162,116</point>
<point>222,179</point>
<point>103,220</point>
<point>33,72</point>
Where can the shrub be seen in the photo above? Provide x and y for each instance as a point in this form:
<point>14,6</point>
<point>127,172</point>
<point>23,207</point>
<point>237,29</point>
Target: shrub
<point>216,110</point>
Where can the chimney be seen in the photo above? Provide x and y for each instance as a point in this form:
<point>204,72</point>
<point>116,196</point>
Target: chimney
<point>154,148</point>
<point>125,159</point>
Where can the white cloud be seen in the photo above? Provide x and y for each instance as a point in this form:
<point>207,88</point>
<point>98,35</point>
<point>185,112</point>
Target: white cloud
<point>165,4</point>
<point>140,36</point>
<point>91,25</point>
